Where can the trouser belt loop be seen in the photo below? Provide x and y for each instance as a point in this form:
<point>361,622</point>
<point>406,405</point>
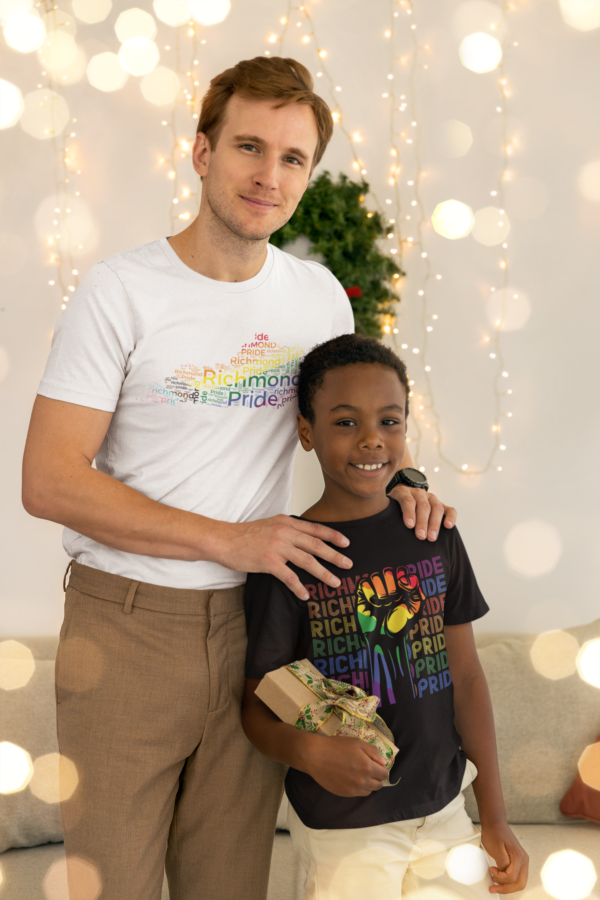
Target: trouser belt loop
<point>129,598</point>
<point>65,585</point>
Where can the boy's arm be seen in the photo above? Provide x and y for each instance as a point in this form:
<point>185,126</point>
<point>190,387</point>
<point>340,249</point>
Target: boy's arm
<point>474,720</point>
<point>343,766</point>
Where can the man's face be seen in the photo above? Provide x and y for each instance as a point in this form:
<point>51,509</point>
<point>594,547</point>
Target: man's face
<point>359,428</point>
<point>255,176</point>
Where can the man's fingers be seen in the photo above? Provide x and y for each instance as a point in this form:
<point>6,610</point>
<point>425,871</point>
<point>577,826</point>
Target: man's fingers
<point>423,512</point>
<point>401,493</point>
<point>291,581</point>
<point>436,514</point>
<point>322,532</point>
<point>451,514</point>
<point>306,561</point>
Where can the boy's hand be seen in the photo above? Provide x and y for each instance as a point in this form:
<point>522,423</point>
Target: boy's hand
<point>346,766</point>
<point>512,862</point>
<point>425,508</point>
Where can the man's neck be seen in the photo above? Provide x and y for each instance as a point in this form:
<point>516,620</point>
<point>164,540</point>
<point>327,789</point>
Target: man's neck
<point>209,247</point>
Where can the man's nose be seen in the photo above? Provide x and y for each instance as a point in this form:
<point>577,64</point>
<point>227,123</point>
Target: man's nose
<point>267,173</point>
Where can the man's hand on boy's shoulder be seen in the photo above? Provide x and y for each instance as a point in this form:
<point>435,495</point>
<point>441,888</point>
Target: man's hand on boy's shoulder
<point>423,511</point>
<point>512,862</point>
<point>345,766</point>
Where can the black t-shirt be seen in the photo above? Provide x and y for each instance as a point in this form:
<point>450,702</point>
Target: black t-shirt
<point>383,630</point>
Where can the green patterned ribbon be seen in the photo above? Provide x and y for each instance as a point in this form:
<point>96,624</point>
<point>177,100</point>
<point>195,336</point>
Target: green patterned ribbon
<point>355,708</point>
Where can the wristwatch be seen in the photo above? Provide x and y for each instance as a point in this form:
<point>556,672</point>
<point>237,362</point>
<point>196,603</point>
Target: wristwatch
<point>411,477</point>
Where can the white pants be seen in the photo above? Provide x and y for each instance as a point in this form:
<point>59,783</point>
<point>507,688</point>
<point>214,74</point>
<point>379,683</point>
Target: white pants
<point>437,857</point>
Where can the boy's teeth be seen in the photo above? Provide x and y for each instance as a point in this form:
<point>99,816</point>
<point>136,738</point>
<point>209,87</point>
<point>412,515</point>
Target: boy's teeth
<point>369,468</point>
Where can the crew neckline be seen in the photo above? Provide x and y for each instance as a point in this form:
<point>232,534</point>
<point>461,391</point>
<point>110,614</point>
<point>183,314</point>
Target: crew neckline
<point>368,522</point>
<point>226,287</point>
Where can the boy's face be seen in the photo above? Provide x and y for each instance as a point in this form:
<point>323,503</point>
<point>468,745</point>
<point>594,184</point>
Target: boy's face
<point>359,428</point>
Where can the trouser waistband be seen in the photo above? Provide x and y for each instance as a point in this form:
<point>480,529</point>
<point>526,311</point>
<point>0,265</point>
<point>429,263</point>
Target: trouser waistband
<point>177,601</point>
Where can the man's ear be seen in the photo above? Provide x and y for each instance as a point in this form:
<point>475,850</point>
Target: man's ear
<point>201,154</point>
<point>304,433</point>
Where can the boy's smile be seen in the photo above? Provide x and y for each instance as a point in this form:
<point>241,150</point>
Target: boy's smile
<point>359,436</point>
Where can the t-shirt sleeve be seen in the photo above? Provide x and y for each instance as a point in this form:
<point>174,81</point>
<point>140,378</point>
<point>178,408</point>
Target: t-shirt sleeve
<point>464,601</point>
<point>273,624</point>
<point>91,345</point>
<point>343,317</point>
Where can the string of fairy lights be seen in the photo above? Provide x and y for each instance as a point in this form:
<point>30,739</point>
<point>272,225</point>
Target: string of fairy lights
<point>406,220</point>
<point>411,238</point>
<point>63,169</point>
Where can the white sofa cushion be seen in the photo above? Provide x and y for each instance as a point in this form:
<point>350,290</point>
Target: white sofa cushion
<point>542,726</point>
<point>28,719</point>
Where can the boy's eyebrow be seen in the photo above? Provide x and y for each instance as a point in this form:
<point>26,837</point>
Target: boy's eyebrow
<point>356,408</point>
<point>256,140</point>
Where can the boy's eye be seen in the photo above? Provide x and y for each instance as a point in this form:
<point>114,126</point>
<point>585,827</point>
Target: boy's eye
<point>346,422</point>
<point>390,422</point>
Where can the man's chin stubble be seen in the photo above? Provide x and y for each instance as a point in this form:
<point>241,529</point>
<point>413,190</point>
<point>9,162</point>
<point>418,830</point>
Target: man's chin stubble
<point>229,222</point>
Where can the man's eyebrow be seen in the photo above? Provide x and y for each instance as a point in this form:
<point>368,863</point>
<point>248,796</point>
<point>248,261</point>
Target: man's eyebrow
<point>296,151</point>
<point>356,408</point>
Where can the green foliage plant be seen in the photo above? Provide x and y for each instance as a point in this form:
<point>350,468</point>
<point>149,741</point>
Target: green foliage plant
<point>332,216</point>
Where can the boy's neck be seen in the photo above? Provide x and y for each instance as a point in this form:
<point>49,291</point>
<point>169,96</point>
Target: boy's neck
<point>341,506</point>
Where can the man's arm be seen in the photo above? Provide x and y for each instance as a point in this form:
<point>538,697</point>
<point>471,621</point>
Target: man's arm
<point>60,484</point>
<point>422,509</point>
<point>344,766</point>
<point>474,720</point>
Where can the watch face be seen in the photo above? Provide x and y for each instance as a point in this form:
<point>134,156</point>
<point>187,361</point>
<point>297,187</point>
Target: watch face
<point>415,475</point>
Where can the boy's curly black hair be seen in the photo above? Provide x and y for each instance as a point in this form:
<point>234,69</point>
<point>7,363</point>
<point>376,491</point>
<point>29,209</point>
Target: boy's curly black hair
<point>337,353</point>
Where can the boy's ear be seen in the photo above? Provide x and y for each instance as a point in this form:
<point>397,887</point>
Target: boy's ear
<point>304,433</point>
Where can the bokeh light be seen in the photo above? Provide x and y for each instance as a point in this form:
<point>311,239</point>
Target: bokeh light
<point>467,864</point>
<point>478,15</point>
<point>491,226</point>
<point>24,32</point>
<point>589,180</point>
<point>16,665</point>
<point>508,309</point>
<point>58,50</point>
<point>527,198</point>
<point>45,114</point>
<point>138,55</point>
<point>535,769</point>
<point>568,875</point>
<point>589,766</point>
<point>81,664</point>
<point>76,231</point>
<point>72,877</point>
<point>588,662</point>
<point>15,768</point>
<point>172,12</point>
<point>54,778</point>
<point>584,15</point>
<point>75,71</point>
<point>209,12</point>
<point>106,73</point>
<point>533,548</point>
<point>454,138</point>
<point>135,22</point>
<point>554,654</point>
<point>161,86</point>
<point>432,863</point>
<point>452,219</point>
<point>10,8</point>
<point>480,52</point>
<point>11,104</point>
<point>4,364</point>
<point>91,11</point>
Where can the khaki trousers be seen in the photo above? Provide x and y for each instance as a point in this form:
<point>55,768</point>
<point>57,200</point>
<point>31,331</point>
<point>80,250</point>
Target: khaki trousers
<point>149,684</point>
<point>436,857</point>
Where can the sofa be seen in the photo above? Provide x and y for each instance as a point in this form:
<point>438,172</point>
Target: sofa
<point>546,714</point>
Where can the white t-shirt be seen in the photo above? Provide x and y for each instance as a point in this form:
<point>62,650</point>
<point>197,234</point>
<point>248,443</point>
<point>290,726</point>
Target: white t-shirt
<point>201,378</point>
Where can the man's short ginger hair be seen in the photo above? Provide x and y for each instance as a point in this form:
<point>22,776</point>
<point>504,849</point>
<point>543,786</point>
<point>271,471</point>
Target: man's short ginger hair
<point>264,78</point>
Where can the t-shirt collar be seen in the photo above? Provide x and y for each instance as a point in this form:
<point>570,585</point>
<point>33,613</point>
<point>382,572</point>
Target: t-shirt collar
<point>226,287</point>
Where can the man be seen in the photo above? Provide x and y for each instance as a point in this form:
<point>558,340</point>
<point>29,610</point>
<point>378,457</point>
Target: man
<point>174,368</point>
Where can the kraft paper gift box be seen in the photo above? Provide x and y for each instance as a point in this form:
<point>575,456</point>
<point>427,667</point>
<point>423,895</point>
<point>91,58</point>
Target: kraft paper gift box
<point>287,693</point>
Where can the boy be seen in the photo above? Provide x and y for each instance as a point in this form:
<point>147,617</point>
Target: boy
<point>398,627</point>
